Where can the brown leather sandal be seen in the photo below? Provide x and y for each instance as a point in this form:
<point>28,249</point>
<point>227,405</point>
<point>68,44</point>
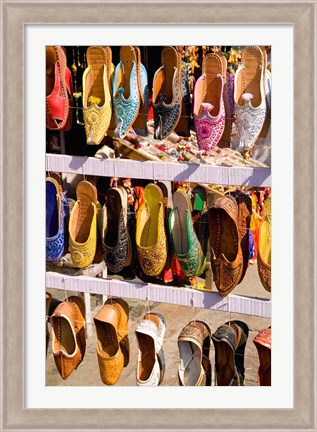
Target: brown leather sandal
<point>263,344</point>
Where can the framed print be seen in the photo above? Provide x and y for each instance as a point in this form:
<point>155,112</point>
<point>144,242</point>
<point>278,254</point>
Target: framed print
<point>27,403</point>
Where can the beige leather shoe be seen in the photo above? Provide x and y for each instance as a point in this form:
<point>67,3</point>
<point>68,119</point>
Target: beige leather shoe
<point>151,363</point>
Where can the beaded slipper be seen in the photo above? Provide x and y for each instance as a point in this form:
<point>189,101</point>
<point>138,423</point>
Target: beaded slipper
<point>225,250</point>
<point>140,123</point>
<point>151,362</point>
<point>151,239</point>
<point>267,91</point>
<point>57,217</point>
<point>59,90</point>
<point>184,239</point>
<point>97,107</point>
<point>84,225</point>
<point>228,98</point>
<point>171,101</point>
<point>194,348</point>
<point>249,96</point>
<point>126,90</point>
<point>115,234</point>
<point>209,109</point>
<point>68,335</point>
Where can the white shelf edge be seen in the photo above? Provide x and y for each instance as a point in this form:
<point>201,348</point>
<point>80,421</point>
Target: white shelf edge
<point>158,293</point>
<point>196,173</point>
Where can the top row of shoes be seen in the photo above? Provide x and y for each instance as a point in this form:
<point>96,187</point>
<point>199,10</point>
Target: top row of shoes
<point>116,99</point>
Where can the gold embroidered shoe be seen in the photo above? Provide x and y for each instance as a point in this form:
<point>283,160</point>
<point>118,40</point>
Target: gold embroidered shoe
<point>225,249</point>
<point>151,239</point>
<point>84,225</point>
<point>97,106</point>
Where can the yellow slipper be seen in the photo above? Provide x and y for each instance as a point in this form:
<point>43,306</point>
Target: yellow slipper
<point>151,239</point>
<point>264,248</point>
<point>96,94</point>
<point>83,225</point>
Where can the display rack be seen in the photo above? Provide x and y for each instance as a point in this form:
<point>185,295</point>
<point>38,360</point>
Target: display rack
<point>243,176</point>
<point>189,172</point>
<point>159,293</point>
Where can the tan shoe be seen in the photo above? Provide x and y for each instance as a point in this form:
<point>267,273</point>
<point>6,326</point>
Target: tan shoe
<point>225,244</point>
<point>113,343</point>
<point>262,341</point>
<point>68,335</point>
<point>48,302</point>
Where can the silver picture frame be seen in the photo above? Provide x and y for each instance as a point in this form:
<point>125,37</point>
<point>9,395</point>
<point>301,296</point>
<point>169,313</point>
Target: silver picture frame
<point>14,16</point>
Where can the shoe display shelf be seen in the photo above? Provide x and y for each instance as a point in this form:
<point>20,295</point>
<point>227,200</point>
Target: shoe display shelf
<point>87,283</point>
<point>151,170</point>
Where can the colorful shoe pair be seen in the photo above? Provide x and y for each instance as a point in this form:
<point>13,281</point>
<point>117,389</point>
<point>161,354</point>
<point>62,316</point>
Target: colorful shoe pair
<point>57,218</point>
<point>183,236</point>
<point>251,95</point>
<point>130,93</point>
<point>171,98</point>
<point>97,105</point>
<point>59,90</point>
<point>84,226</point>
<point>209,107</point>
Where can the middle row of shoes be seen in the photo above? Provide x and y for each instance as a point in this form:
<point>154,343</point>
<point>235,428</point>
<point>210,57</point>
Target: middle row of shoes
<point>137,229</point>
<point>111,322</point>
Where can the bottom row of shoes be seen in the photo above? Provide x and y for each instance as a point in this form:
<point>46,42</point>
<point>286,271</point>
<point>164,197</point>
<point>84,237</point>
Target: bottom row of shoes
<point>111,322</point>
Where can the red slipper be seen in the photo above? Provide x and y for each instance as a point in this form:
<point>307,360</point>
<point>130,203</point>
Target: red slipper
<point>58,89</point>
